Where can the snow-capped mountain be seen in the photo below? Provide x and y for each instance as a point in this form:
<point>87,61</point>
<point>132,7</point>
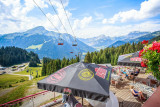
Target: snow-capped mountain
<point>44,43</point>
<point>103,41</point>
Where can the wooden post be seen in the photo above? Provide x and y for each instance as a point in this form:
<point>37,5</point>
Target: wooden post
<point>134,75</point>
<point>82,101</point>
<point>33,101</point>
<point>54,95</point>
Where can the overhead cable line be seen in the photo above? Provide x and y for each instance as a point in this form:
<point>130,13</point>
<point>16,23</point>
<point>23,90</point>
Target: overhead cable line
<point>61,21</point>
<point>60,41</point>
<point>70,25</point>
<point>68,19</point>
<point>57,15</point>
<point>46,17</point>
<point>59,18</point>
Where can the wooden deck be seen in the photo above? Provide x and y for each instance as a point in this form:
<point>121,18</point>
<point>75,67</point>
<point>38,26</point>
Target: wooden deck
<point>121,91</point>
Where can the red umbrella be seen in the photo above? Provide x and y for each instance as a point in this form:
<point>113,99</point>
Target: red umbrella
<point>154,100</point>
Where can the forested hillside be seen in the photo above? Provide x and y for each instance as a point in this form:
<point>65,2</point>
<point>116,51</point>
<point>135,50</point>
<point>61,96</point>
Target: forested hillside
<point>110,55</point>
<point>52,65</point>
<point>13,55</point>
<point>155,39</point>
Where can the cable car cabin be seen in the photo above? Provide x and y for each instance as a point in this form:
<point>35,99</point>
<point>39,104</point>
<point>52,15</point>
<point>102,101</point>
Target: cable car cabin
<point>74,43</point>
<point>71,52</point>
<point>75,55</point>
<point>60,42</point>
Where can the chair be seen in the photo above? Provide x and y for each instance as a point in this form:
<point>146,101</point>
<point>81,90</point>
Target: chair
<point>113,82</point>
<point>144,82</point>
<point>122,81</point>
<point>78,105</point>
<point>153,81</point>
<point>138,98</point>
<point>131,77</point>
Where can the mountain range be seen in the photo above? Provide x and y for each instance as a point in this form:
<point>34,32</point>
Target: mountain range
<point>44,43</point>
<point>103,41</point>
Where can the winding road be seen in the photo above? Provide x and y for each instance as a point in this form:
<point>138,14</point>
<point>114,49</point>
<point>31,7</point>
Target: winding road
<point>9,71</point>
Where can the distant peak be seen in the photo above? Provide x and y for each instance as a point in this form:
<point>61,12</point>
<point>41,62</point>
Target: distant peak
<point>102,36</point>
<point>137,32</point>
<point>37,29</point>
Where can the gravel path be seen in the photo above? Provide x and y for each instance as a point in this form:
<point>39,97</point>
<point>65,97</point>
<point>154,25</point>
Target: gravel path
<point>30,77</point>
<point>5,91</point>
<point>8,71</point>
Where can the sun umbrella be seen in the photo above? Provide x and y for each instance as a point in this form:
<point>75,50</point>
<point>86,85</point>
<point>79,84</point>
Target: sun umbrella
<point>84,79</point>
<point>131,59</point>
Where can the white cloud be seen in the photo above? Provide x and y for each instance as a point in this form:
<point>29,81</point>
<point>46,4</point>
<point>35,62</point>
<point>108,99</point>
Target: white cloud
<point>80,24</point>
<point>98,15</point>
<point>148,9</point>
<point>13,15</point>
<point>14,18</point>
<point>115,30</point>
<point>104,21</point>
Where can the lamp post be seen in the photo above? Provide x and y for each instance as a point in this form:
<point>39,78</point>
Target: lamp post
<point>30,74</point>
<point>37,74</point>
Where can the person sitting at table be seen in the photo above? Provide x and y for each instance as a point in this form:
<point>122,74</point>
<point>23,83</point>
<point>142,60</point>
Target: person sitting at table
<point>65,94</point>
<point>137,72</point>
<point>125,73</point>
<point>72,101</point>
<point>133,74</point>
<point>137,93</point>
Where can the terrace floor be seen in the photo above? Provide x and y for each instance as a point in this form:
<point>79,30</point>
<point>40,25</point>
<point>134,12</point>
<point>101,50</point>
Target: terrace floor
<point>121,91</point>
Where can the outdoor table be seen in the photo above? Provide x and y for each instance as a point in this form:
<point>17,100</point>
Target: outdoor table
<point>115,77</point>
<point>151,77</point>
<point>144,88</point>
<point>130,71</point>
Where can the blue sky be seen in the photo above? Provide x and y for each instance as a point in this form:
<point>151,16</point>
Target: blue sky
<point>106,7</point>
<point>88,18</point>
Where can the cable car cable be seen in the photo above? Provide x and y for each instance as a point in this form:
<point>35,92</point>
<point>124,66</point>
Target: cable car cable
<point>70,25</point>
<point>68,20</point>
<point>60,40</point>
<point>59,18</point>
<point>57,15</point>
<point>46,17</point>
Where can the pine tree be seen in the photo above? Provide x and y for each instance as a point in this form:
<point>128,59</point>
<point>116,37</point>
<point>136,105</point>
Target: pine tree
<point>87,58</point>
<point>94,59</point>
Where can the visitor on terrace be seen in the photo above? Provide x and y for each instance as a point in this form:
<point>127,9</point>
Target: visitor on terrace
<point>137,93</point>
<point>65,94</point>
<point>125,74</point>
<point>137,72</point>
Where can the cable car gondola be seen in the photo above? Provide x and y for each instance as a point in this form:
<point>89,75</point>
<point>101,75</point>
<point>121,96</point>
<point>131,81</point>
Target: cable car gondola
<point>60,41</point>
<point>75,55</point>
<point>71,52</point>
<point>74,43</point>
